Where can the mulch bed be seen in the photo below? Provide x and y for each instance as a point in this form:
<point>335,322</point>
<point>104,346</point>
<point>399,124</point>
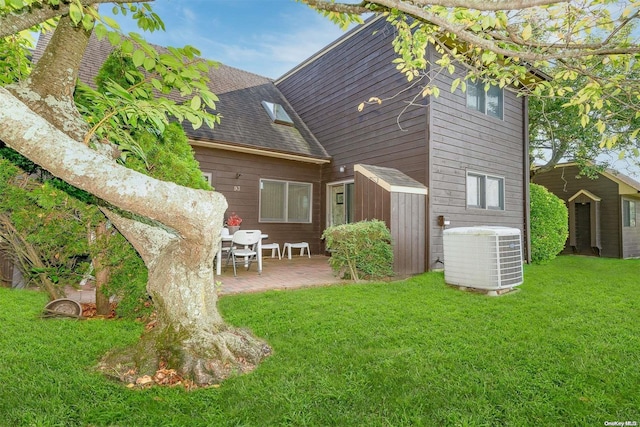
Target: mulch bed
<point>89,311</point>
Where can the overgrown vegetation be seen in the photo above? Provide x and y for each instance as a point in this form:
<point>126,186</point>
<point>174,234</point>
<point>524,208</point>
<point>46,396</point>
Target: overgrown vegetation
<point>360,250</point>
<point>49,227</point>
<point>44,224</point>
<point>561,351</point>
<point>549,224</point>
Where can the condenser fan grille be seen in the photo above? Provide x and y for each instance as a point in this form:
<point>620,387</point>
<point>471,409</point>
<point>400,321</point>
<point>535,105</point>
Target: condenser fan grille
<point>483,257</point>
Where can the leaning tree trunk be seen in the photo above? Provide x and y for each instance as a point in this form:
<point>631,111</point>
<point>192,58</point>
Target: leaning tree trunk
<point>190,335</point>
<point>174,229</point>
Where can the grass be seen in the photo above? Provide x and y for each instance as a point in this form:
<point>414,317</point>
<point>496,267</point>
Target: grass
<point>564,350</point>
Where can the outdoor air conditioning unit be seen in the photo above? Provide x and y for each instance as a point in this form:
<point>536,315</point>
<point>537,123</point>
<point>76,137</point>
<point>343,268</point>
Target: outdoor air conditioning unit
<point>484,257</point>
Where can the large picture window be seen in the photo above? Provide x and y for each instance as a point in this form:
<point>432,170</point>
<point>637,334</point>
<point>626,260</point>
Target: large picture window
<point>628,213</point>
<point>284,201</point>
<point>488,102</point>
<point>485,191</point>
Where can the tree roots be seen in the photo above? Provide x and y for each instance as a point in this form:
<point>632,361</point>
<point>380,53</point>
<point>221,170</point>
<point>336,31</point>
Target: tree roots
<point>198,359</point>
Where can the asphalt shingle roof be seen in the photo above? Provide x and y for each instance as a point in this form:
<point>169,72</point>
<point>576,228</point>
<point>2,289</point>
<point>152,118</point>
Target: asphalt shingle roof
<point>244,122</point>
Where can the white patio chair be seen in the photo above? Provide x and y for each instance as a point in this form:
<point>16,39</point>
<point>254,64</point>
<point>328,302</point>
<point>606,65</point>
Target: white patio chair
<point>243,246</point>
<point>224,249</point>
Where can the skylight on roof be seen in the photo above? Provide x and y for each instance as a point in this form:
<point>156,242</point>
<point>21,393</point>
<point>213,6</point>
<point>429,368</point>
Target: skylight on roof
<point>277,113</point>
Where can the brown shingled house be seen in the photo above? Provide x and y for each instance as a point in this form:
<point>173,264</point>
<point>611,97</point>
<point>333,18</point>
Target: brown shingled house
<point>602,211</point>
<point>469,152</point>
<point>295,155</point>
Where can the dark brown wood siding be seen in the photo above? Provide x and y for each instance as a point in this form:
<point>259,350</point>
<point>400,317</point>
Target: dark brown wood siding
<point>631,235</point>
<point>404,215</point>
<point>371,201</point>
<point>237,176</point>
<point>435,142</point>
<point>408,232</point>
<point>462,140</point>
<point>326,94</point>
<point>565,182</point>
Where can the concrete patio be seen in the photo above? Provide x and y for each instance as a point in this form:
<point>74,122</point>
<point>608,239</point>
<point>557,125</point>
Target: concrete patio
<point>298,272</point>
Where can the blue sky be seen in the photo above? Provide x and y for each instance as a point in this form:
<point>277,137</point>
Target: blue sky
<point>267,37</point>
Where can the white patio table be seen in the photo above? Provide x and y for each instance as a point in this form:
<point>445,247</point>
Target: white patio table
<point>229,238</point>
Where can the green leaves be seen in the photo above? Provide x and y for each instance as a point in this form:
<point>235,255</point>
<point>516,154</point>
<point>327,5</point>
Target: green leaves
<point>145,87</point>
<point>15,54</point>
<point>590,47</point>
<point>527,31</point>
<point>549,229</point>
<point>138,58</point>
<point>360,250</point>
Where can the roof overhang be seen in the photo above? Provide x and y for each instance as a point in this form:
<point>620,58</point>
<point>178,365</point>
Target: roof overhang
<point>585,193</point>
<point>626,185</point>
<point>259,152</point>
<point>392,188</point>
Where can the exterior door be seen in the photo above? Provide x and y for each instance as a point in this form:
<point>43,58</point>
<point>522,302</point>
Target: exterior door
<point>340,203</point>
<point>583,229</point>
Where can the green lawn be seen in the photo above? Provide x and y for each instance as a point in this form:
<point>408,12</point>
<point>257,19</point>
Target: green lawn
<point>562,351</point>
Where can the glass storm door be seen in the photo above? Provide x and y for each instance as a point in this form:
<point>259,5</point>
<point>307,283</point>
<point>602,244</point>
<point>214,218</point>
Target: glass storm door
<point>340,202</point>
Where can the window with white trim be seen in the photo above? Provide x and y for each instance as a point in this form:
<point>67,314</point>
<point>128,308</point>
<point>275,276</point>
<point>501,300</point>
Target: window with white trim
<point>285,201</point>
<point>208,176</point>
<point>277,113</point>
<point>628,213</point>
<point>489,102</point>
<point>485,191</point>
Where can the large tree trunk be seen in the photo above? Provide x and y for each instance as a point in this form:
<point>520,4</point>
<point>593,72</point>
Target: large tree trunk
<point>190,335</point>
<point>175,229</point>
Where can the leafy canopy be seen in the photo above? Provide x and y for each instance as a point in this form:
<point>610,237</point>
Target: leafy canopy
<point>163,83</point>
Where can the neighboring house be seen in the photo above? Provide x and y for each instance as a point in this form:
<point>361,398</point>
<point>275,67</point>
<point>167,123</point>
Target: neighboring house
<point>295,155</point>
<point>602,211</point>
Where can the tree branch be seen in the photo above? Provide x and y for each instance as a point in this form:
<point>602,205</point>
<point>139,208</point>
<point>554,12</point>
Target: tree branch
<point>16,22</point>
<point>416,9</point>
<point>149,241</point>
<point>190,212</point>
<point>355,8</point>
<point>482,5</point>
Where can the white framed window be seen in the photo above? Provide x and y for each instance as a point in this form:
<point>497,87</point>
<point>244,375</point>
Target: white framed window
<point>208,176</point>
<point>628,213</point>
<point>285,201</point>
<point>489,102</point>
<point>277,113</point>
<point>485,191</point>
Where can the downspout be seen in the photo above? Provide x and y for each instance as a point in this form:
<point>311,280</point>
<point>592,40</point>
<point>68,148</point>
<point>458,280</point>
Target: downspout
<point>525,178</point>
<point>427,219</point>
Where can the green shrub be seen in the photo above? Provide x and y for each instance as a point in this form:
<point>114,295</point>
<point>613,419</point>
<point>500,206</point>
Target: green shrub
<point>43,226</point>
<point>360,250</point>
<point>549,224</point>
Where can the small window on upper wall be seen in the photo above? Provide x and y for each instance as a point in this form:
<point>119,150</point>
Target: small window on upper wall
<point>485,191</point>
<point>489,102</point>
<point>208,176</point>
<point>628,213</point>
<point>277,113</point>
